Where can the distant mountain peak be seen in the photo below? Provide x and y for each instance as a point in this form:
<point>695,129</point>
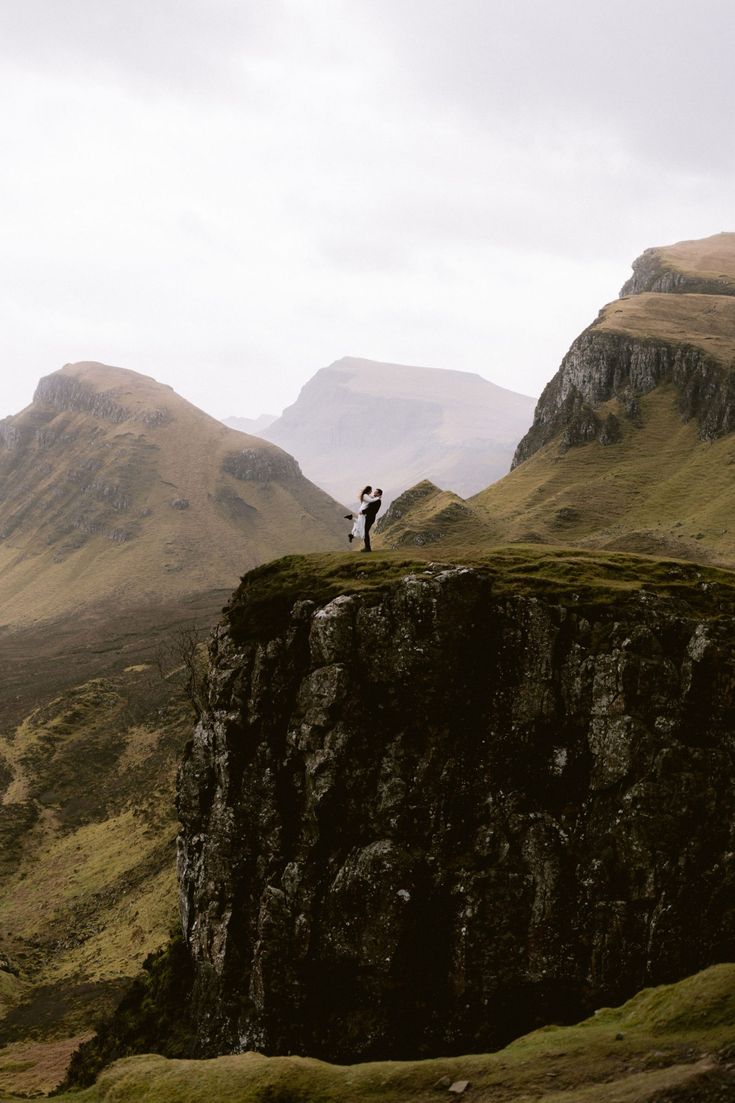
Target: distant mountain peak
<point>358,420</point>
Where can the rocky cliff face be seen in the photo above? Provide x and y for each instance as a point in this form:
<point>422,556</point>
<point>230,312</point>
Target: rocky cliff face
<point>429,816</point>
<point>67,393</point>
<point>601,365</point>
<point>652,273</point>
<point>674,323</point>
<point>704,267</point>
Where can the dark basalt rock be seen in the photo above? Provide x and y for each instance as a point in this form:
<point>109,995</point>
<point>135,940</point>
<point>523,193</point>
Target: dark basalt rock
<point>427,820</point>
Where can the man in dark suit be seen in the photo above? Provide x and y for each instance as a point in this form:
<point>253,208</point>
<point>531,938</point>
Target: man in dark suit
<point>370,509</point>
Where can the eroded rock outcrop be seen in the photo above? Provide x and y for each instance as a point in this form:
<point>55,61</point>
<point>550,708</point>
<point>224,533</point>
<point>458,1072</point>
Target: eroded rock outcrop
<point>425,818</point>
<point>651,272</point>
<point>67,393</point>
<point>601,366</point>
<point>261,466</point>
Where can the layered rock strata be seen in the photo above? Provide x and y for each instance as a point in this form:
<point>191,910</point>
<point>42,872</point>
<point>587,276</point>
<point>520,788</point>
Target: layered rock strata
<point>601,366</point>
<point>427,819</point>
<point>674,323</point>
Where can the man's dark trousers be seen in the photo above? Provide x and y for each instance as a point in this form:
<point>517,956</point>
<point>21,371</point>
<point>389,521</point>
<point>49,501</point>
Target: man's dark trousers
<point>371,512</point>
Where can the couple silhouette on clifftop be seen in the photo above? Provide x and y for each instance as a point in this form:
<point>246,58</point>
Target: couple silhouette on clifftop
<point>367,510</point>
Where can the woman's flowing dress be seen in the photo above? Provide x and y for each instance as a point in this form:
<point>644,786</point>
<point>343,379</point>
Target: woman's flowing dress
<point>358,528</point>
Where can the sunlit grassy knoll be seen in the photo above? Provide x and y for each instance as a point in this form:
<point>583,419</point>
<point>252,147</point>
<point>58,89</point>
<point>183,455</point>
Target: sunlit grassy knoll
<point>663,1039</point>
<point>68,870</point>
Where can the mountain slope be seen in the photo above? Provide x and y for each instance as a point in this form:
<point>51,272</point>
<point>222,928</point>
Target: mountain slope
<point>361,421</point>
<point>92,724</point>
<point>113,486</point>
<point>632,441</point>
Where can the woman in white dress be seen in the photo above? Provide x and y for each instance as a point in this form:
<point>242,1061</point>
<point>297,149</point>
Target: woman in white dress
<point>358,529</point>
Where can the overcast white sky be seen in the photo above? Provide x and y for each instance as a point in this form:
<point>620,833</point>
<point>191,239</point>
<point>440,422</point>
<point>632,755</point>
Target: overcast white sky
<point>230,194</point>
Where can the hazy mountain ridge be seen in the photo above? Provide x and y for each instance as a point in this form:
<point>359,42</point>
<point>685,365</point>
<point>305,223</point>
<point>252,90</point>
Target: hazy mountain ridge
<point>360,421</point>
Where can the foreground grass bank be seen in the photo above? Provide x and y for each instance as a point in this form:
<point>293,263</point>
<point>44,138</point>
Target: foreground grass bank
<point>675,1042</point>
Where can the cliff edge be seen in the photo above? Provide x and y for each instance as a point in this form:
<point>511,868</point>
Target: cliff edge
<point>431,807</point>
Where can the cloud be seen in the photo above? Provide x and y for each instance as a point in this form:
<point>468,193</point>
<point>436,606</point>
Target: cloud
<point>181,45</point>
<point>653,73</point>
<point>230,194</point>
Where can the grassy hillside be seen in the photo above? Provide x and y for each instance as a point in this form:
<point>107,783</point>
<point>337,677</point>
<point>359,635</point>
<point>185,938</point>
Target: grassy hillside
<point>666,1044</point>
<point>126,514</point>
<point>87,823</point>
<point>713,257</point>
<point>660,490</point>
<point>114,487</point>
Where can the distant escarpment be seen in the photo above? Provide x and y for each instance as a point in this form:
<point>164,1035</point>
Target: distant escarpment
<point>443,805</point>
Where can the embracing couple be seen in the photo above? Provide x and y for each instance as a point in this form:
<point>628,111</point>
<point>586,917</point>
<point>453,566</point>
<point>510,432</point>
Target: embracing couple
<point>367,511</point>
